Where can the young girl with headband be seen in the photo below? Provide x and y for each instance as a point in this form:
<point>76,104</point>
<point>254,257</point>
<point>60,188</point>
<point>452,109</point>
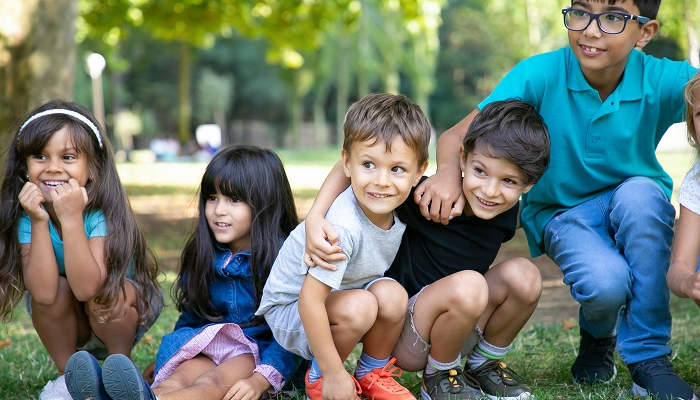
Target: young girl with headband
<point>69,238</point>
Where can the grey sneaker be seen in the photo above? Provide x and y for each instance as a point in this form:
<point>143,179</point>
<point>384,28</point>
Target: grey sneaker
<point>447,385</point>
<point>497,381</point>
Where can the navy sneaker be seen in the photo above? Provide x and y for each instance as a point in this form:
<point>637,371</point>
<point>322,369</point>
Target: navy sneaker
<point>595,361</point>
<point>655,377</point>
<point>84,377</point>
<point>123,380</point>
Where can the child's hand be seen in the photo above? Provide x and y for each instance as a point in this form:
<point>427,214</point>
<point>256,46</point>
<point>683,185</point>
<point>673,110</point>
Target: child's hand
<point>440,197</point>
<point>69,199</point>
<point>321,246</point>
<point>691,287</point>
<point>339,387</point>
<point>30,198</point>
<point>248,389</point>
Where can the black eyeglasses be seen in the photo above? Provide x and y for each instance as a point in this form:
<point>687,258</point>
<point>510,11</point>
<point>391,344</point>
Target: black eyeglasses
<point>611,22</point>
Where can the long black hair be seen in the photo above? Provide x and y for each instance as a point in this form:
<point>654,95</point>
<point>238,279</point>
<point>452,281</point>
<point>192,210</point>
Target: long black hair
<point>256,177</point>
<point>124,244</point>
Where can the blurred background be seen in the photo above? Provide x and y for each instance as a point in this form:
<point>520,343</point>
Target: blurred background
<point>174,80</point>
<point>177,79</point>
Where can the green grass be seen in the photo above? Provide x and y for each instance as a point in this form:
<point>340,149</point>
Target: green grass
<point>542,354</point>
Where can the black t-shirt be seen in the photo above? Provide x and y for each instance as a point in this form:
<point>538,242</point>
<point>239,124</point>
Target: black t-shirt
<point>430,251</point>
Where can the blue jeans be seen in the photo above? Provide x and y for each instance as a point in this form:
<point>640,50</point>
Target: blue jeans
<point>614,252</point>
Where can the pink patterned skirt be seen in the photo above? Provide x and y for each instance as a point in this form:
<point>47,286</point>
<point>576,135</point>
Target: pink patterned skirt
<point>219,342</point>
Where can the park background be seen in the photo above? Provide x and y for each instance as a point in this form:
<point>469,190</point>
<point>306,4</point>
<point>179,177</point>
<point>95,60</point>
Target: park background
<point>281,74</point>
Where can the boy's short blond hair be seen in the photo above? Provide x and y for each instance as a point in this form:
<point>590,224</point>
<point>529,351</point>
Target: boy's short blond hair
<point>691,102</point>
<point>384,117</point>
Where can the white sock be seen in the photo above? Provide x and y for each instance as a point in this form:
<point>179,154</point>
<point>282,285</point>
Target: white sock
<point>486,351</point>
<point>433,365</point>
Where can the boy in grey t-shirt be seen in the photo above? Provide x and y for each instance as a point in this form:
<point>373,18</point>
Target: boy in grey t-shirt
<point>320,314</point>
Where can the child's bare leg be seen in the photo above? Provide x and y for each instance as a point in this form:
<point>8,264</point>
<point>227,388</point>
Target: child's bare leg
<point>447,310</point>
<point>62,325</point>
<point>185,374</point>
<point>514,286</point>
<point>215,382</point>
<point>392,301</point>
<point>351,313</point>
<point>117,334</point>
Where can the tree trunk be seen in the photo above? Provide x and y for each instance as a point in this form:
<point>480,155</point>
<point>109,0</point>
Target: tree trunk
<point>690,20</point>
<point>184,99</point>
<point>343,91</point>
<point>37,57</point>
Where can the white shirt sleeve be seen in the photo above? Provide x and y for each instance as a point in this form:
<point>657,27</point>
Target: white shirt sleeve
<point>689,192</point>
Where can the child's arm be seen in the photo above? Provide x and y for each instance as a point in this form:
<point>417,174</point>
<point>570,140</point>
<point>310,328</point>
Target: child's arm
<point>39,267</point>
<point>84,259</point>
<point>440,196</point>
<point>321,239</point>
<point>337,383</point>
<point>683,278</point>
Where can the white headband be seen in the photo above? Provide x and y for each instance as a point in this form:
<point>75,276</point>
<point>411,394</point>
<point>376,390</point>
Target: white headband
<point>80,117</point>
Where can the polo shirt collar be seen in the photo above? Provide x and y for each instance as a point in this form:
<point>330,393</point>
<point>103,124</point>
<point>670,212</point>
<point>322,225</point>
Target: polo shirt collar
<point>629,89</point>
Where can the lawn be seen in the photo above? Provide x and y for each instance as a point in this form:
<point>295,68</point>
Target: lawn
<point>162,196</point>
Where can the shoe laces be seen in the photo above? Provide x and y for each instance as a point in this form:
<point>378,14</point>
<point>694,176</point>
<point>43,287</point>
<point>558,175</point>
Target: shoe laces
<point>384,377</point>
<point>453,379</point>
<point>600,348</point>
<point>507,375</point>
<point>655,367</point>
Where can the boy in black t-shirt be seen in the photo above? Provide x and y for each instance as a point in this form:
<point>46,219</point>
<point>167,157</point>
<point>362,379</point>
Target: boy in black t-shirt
<point>458,304</point>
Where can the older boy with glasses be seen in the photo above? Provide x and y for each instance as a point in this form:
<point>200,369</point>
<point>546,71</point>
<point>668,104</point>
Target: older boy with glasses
<point>601,211</point>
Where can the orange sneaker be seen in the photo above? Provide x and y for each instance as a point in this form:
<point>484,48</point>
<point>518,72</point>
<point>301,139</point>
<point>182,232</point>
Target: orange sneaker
<point>313,390</point>
<point>379,384</point>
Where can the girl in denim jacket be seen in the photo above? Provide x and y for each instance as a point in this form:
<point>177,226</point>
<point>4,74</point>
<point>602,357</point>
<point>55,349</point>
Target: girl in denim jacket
<point>218,348</point>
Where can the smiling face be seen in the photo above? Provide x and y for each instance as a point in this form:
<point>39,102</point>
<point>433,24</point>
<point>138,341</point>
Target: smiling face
<point>229,220</point>
<point>603,56</point>
<point>58,162</point>
<point>491,185</point>
<point>380,179</point>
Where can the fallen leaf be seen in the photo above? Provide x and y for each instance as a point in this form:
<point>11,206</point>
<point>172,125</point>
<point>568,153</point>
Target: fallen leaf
<point>569,323</point>
<point>5,342</point>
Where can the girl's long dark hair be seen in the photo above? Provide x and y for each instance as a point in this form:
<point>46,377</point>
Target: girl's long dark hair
<point>124,244</point>
<point>256,177</point>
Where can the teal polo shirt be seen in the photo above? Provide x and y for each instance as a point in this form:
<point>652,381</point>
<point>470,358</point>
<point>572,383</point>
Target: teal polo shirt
<point>595,145</point>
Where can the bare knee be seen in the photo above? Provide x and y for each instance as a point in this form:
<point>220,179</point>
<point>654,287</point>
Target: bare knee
<point>465,292</point>
<point>521,280</point>
<point>120,309</point>
<point>358,314</point>
<point>392,300</point>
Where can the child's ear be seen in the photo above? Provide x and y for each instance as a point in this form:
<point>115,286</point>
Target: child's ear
<point>462,158</point>
<point>420,172</point>
<point>346,162</point>
<point>648,31</point>
<point>527,188</point>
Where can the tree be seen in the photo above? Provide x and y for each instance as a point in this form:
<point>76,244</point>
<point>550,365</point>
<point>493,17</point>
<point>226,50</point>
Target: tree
<point>33,69</point>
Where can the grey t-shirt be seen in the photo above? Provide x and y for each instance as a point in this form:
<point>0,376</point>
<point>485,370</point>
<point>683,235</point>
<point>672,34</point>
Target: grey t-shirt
<point>370,251</point>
